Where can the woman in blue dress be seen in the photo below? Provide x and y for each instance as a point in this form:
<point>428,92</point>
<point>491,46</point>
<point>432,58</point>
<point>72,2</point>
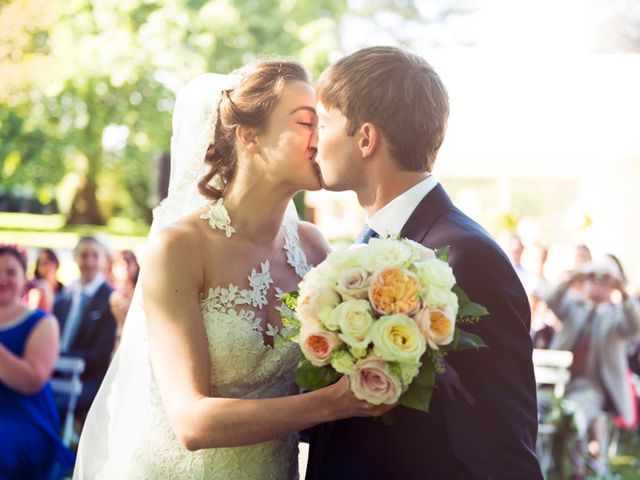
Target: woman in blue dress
<point>30,446</point>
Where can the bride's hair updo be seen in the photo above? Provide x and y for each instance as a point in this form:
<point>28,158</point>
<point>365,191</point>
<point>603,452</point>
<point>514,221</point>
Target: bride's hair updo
<point>248,104</point>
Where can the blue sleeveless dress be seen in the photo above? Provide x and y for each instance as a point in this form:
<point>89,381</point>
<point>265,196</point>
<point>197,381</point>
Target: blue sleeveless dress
<point>30,445</point>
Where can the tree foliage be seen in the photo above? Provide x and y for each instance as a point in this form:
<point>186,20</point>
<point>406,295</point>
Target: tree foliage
<point>88,85</point>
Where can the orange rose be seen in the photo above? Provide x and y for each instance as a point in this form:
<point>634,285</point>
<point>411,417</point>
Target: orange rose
<point>317,346</point>
<point>394,290</point>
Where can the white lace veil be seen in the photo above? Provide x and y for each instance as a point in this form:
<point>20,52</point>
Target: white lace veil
<point>115,423</point>
<point>117,416</point>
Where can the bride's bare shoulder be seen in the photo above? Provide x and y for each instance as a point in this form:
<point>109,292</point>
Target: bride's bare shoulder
<point>313,242</point>
<point>180,238</point>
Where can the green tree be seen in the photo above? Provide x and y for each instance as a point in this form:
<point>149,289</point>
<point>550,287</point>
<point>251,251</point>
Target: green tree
<point>87,86</point>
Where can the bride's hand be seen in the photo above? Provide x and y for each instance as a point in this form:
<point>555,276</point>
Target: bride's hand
<point>347,405</point>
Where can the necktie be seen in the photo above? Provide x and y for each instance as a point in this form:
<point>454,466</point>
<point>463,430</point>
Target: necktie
<point>72,323</point>
<point>366,234</point>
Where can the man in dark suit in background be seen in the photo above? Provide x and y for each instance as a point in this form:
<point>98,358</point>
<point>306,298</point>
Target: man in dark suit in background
<point>87,325</point>
<point>382,118</point>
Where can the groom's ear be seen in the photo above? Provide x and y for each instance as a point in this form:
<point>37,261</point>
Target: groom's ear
<point>248,137</point>
<point>369,139</point>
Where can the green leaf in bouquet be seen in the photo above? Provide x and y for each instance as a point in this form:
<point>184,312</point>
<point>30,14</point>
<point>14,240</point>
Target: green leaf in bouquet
<point>309,377</point>
<point>417,397</point>
<point>427,375</point>
<point>442,253</point>
<point>468,311</point>
<point>463,340</point>
<point>436,357</point>
<point>391,418</point>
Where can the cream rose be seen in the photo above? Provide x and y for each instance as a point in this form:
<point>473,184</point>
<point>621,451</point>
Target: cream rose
<point>354,318</point>
<point>358,352</point>
<point>435,272</point>
<point>397,338</point>
<point>343,362</point>
<point>437,326</point>
<point>317,346</point>
<point>353,283</point>
<point>312,300</point>
<point>418,251</point>
<point>372,381</point>
<point>443,298</point>
<point>383,253</point>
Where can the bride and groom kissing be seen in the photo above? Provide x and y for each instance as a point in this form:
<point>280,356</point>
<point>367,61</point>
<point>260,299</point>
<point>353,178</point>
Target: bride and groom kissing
<point>201,387</point>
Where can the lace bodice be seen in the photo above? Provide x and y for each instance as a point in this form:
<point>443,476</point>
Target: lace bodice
<point>242,366</point>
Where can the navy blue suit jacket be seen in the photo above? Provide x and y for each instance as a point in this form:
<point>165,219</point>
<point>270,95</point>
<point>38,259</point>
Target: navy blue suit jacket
<point>93,342</point>
<point>492,439</point>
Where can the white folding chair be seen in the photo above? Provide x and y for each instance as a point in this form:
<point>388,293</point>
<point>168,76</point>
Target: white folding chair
<point>551,369</point>
<point>67,387</point>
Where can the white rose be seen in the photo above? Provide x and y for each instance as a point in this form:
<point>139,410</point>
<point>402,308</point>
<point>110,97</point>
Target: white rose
<point>354,318</point>
<point>353,283</point>
<point>443,298</point>
<point>435,272</point>
<point>397,338</point>
<point>312,300</point>
<point>384,253</point>
<point>419,252</point>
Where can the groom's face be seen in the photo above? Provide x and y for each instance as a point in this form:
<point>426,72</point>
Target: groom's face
<point>337,151</point>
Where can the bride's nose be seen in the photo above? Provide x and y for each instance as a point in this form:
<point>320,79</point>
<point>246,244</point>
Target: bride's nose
<point>313,142</point>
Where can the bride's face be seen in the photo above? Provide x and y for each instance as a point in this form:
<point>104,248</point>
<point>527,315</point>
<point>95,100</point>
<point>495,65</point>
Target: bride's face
<point>288,143</point>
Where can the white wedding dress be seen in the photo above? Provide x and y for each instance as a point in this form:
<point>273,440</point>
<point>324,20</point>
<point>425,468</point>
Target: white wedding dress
<point>242,366</point>
<point>127,434</point>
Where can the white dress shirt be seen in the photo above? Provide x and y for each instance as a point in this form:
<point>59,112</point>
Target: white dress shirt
<point>389,220</point>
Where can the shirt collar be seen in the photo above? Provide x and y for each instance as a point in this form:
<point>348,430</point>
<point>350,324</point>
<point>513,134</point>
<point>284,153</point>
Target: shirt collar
<point>90,288</point>
<point>389,220</point>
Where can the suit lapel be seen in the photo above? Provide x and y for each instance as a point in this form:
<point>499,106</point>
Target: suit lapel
<point>87,324</point>
<point>63,310</point>
<point>432,207</point>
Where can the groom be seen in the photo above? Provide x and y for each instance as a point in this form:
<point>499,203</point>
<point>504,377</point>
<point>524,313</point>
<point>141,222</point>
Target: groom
<point>382,118</point>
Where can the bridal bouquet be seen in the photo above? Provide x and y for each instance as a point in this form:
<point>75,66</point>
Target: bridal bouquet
<point>385,314</point>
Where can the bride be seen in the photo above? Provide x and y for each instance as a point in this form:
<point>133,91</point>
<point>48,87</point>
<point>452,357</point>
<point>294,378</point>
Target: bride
<point>201,388</point>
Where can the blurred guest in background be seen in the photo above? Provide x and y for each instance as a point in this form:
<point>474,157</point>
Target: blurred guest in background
<point>30,447</point>
<point>86,322</point>
<point>582,255</point>
<point>125,271</point>
<point>45,287</point>
<point>597,331</point>
<point>515,251</point>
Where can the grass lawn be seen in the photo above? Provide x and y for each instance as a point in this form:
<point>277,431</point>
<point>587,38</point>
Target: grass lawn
<point>40,231</point>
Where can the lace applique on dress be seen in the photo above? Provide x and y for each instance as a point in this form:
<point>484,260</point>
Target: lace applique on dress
<point>295,255</point>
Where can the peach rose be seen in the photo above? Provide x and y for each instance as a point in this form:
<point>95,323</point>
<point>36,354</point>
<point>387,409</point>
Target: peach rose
<point>436,325</point>
<point>394,290</point>
<point>372,381</point>
<point>317,346</point>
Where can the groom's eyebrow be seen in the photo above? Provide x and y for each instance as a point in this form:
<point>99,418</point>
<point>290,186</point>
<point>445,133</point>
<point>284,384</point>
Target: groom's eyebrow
<point>309,109</point>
